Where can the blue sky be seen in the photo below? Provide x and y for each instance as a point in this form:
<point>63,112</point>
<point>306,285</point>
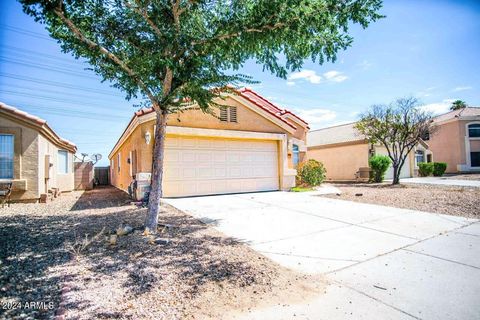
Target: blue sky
<point>428,49</point>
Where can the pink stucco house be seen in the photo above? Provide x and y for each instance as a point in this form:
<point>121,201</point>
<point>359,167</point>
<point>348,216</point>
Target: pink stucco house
<point>456,140</point>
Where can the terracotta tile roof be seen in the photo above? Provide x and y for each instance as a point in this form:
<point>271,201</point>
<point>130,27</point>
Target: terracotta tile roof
<point>465,112</point>
<point>265,104</point>
<point>336,134</point>
<point>38,122</point>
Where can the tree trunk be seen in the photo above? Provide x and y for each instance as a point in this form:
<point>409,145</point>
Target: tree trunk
<point>157,173</point>
<point>396,174</point>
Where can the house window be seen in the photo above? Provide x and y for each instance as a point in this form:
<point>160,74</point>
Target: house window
<point>296,155</point>
<point>6,156</point>
<point>119,157</point>
<point>475,159</point>
<point>62,162</point>
<point>419,156</point>
<point>228,114</point>
<point>474,130</point>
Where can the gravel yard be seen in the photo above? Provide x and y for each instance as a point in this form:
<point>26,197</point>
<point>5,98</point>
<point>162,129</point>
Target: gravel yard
<point>198,274</point>
<point>457,201</point>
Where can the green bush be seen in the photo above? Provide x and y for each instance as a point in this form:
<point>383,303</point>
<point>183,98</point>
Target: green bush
<point>425,169</point>
<point>311,173</point>
<point>439,168</point>
<point>379,165</point>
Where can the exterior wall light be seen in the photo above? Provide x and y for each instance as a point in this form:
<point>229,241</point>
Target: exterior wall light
<point>148,137</point>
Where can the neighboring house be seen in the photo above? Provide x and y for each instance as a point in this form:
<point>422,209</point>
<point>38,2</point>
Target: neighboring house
<point>345,152</point>
<point>32,156</point>
<point>456,140</point>
<point>248,145</point>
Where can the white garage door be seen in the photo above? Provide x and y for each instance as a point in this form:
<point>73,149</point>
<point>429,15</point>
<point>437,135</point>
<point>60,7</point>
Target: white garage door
<point>202,166</point>
<point>405,173</point>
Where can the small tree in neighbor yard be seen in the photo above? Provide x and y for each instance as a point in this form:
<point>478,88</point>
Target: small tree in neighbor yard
<point>171,51</point>
<point>379,165</point>
<point>398,126</point>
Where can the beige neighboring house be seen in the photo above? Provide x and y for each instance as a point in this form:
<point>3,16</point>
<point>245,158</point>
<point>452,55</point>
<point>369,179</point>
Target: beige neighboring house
<point>345,152</point>
<point>248,145</point>
<point>456,140</point>
<point>32,156</point>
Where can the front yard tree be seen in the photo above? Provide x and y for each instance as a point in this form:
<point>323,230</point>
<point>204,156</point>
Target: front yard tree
<point>169,51</point>
<point>399,127</point>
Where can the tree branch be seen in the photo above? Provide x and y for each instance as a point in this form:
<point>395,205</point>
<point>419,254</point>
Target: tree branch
<point>145,16</point>
<point>112,57</point>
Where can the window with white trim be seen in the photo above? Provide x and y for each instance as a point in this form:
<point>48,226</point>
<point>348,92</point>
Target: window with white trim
<point>6,156</point>
<point>474,130</point>
<point>295,155</point>
<point>419,157</point>
<point>62,162</point>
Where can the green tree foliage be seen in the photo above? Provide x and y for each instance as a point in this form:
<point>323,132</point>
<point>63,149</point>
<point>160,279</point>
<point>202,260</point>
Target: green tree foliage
<point>311,173</point>
<point>170,51</point>
<point>399,127</point>
<point>425,169</point>
<point>379,165</point>
<point>439,168</point>
<point>458,104</point>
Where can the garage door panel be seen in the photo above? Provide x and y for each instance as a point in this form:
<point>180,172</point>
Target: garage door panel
<point>201,166</point>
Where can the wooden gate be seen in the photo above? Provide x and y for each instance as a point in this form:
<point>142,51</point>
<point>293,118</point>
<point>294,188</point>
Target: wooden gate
<point>102,176</point>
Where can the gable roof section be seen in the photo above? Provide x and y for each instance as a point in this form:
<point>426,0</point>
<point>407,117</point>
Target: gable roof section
<point>37,123</point>
<point>332,135</point>
<point>458,114</point>
<point>265,104</point>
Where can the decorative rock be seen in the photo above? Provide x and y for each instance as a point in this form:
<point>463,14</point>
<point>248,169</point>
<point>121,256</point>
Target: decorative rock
<point>358,194</point>
<point>162,241</point>
<point>113,239</point>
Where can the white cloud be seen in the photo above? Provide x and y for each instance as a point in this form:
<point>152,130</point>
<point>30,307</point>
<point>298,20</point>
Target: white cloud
<point>438,107</point>
<point>309,75</point>
<point>313,77</point>
<point>426,93</point>
<point>462,88</point>
<point>335,76</point>
<point>316,117</point>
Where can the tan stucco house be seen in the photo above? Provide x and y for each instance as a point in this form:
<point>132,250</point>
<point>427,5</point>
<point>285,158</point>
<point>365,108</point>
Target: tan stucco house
<point>32,156</point>
<point>345,152</point>
<point>249,144</point>
<point>456,140</point>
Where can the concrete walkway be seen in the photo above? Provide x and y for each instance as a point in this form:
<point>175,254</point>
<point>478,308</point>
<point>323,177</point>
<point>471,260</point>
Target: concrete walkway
<point>381,262</point>
<point>443,181</point>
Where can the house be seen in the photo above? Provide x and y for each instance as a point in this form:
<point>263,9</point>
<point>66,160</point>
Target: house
<point>456,140</point>
<point>345,152</point>
<point>32,156</point>
<point>248,144</point>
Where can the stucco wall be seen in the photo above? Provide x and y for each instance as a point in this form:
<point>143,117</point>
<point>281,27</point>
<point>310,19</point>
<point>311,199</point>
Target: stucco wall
<point>341,161</point>
<point>447,145</point>
<point>65,182</point>
<point>26,159</point>
<point>248,120</point>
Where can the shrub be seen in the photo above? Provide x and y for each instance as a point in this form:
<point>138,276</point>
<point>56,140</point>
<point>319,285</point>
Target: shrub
<point>439,168</point>
<point>311,173</point>
<point>379,165</point>
<point>425,169</point>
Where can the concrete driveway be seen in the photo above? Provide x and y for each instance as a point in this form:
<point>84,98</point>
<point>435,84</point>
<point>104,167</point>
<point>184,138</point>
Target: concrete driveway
<point>381,262</point>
